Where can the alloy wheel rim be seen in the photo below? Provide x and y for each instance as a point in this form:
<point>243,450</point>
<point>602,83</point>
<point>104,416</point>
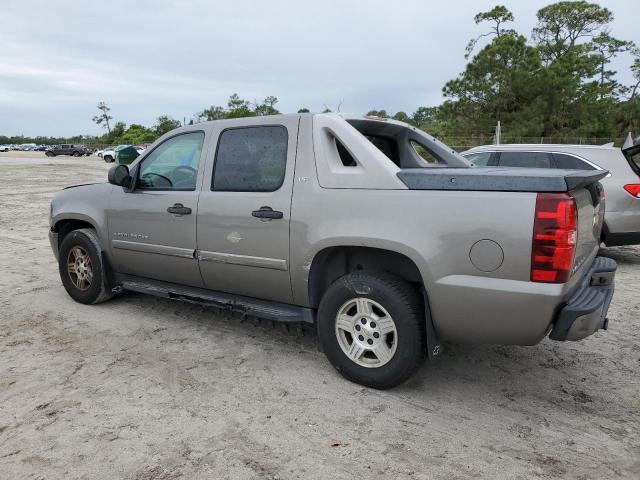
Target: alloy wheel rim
<point>366,332</point>
<point>79,268</point>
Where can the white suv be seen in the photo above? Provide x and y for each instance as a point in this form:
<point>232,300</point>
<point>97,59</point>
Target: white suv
<point>622,184</point>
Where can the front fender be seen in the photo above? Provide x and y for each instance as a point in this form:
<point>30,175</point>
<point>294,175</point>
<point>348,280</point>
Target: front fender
<point>86,203</point>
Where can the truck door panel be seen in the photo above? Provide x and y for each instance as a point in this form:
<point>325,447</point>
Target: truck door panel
<point>244,211</point>
<point>153,228</point>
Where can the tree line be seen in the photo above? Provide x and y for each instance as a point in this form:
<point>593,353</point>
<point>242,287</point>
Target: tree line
<point>555,82</point>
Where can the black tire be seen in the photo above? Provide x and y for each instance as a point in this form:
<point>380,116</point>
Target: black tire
<point>50,154</point>
<point>108,158</point>
<point>98,290</point>
<point>404,305</point>
<point>76,154</point>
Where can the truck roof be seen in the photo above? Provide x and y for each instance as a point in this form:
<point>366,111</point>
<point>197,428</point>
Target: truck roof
<point>542,146</point>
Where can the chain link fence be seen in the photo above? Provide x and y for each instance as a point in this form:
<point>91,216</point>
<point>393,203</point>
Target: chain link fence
<point>464,143</point>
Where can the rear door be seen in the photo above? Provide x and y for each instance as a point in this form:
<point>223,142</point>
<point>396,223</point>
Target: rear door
<point>244,210</point>
<point>590,211</point>
<point>152,229</point>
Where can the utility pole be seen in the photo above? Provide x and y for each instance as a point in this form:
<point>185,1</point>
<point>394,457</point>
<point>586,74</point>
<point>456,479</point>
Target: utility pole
<point>497,134</point>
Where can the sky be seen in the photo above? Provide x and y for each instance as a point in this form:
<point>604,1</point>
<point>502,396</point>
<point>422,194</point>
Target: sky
<point>149,58</point>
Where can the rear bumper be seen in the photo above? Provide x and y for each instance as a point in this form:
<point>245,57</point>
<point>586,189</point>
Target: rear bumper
<point>586,309</point>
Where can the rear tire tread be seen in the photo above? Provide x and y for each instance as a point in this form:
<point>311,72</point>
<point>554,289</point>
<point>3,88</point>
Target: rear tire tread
<point>408,300</point>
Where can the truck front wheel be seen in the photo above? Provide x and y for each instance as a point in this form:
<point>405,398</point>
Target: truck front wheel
<point>82,271</point>
<point>371,327</point>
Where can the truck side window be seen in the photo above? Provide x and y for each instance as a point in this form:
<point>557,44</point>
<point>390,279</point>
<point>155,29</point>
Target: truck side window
<point>250,159</point>
<point>172,165</point>
<point>525,159</point>
<point>569,162</point>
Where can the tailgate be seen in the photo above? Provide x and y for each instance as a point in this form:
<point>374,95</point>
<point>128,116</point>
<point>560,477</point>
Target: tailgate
<point>590,209</point>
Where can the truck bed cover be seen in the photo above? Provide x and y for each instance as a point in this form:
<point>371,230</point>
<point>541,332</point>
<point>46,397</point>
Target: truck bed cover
<point>498,179</point>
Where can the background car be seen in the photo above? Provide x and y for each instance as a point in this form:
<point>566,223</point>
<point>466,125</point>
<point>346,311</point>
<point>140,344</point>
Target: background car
<point>621,185</point>
<point>4,148</point>
<point>101,151</point>
<point>109,154</point>
<point>67,149</point>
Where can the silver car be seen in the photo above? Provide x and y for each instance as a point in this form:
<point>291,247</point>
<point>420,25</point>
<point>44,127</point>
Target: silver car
<point>622,184</point>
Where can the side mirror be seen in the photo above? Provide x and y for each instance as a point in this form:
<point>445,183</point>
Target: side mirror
<point>119,175</point>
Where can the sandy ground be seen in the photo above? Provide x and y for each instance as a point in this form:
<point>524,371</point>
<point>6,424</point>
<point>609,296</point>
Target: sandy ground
<point>143,388</point>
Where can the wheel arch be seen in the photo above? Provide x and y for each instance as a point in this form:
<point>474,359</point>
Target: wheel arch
<point>332,262</point>
<point>64,226</point>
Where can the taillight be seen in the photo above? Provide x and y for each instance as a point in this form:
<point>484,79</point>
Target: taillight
<point>554,238</point>
<point>633,189</point>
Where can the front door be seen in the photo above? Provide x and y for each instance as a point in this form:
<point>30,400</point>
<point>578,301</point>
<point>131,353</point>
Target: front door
<point>153,228</point>
<point>244,210</point>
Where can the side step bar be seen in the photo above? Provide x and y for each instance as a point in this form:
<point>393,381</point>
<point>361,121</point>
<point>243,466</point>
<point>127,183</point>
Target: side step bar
<point>276,311</point>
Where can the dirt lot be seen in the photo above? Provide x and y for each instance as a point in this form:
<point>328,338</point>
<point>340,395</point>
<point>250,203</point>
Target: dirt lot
<point>143,388</point>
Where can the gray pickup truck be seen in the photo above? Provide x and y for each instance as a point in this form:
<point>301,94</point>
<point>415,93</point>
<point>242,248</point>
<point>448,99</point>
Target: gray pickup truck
<point>380,235</point>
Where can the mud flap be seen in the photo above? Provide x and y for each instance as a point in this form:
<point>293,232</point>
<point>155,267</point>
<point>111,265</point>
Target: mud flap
<point>434,347</point>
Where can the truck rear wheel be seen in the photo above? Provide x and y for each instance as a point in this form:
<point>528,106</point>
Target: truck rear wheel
<point>82,270</point>
<point>371,327</point>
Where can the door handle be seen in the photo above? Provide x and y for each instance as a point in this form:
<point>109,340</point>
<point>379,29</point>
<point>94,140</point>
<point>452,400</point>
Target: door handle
<point>179,209</point>
<point>267,212</point>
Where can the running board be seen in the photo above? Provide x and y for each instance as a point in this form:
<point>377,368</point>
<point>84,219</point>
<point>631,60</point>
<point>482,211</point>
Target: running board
<point>276,311</point>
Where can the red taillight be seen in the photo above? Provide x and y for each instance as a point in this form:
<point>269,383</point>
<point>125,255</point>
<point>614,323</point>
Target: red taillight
<point>633,189</point>
<point>554,238</point>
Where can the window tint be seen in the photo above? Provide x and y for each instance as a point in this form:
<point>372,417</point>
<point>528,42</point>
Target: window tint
<point>525,159</point>
<point>570,162</point>
<point>251,159</point>
<point>172,165</point>
<point>480,159</point>
<point>424,153</point>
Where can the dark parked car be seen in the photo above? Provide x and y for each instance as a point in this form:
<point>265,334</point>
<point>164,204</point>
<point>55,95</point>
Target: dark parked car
<point>67,149</point>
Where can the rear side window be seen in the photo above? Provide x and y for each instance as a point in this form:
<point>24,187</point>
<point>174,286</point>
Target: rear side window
<point>480,159</point>
<point>525,159</point>
<point>569,162</point>
<point>250,159</point>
